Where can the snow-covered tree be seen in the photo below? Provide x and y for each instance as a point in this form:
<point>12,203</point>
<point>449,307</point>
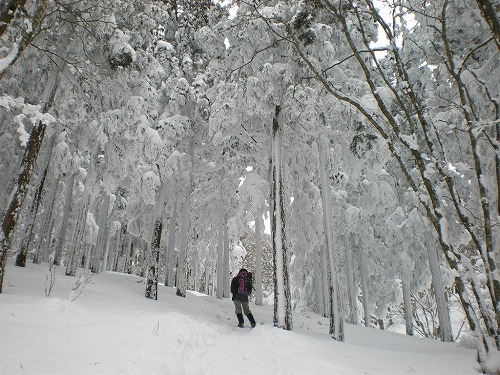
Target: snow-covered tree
<point>395,97</point>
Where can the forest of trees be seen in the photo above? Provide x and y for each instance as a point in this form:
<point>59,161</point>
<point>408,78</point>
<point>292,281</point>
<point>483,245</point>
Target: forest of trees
<point>158,137</point>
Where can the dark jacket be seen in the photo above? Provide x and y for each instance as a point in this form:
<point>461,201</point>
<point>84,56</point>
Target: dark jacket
<point>234,288</point>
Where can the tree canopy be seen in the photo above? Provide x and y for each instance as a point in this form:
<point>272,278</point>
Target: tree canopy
<point>153,137</point>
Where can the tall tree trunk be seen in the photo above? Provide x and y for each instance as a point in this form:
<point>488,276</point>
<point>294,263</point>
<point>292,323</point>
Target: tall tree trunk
<point>184,243</point>
<point>364,286</point>
<point>336,321</point>
<point>27,164</point>
<point>127,265</point>
<point>408,307</point>
<point>153,267</point>
<point>181,266</point>
<point>351,288</point>
<point>152,273</point>
<point>440,292</point>
<point>118,249</point>
<point>87,251</point>
<point>258,259</point>
<point>31,214</point>
<point>170,252</point>
<point>45,239</point>
<point>107,246</point>
<point>31,218</point>
<point>68,198</point>
<point>497,163</point>
<point>78,235</point>
<point>282,297</point>
<point>325,281</point>
<point>207,279</point>
<point>227,291</point>
<point>98,248</point>
<point>220,245</point>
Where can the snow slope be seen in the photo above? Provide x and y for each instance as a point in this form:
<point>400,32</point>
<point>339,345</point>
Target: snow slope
<point>111,328</point>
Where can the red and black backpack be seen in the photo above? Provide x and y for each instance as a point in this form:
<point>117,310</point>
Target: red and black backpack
<point>245,283</point>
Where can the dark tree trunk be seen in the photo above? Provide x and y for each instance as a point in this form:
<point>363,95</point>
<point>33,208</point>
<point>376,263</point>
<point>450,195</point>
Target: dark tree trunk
<point>152,273</point>
<point>169,253</point>
<point>27,165</point>
<point>11,215</point>
<point>22,254</point>
<point>282,297</point>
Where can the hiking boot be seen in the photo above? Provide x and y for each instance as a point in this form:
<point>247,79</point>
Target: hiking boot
<point>252,320</point>
<point>240,320</point>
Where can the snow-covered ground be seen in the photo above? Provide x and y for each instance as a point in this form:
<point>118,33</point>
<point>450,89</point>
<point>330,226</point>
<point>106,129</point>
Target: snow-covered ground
<point>111,328</point>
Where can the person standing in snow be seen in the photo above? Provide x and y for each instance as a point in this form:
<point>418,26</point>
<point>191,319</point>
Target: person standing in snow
<point>241,287</point>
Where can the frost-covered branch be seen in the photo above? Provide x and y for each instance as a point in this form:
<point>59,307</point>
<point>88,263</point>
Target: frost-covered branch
<point>28,36</point>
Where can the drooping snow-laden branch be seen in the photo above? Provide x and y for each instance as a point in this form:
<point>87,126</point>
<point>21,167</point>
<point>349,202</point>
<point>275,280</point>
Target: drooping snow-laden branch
<point>414,111</point>
<point>408,98</point>
<point>488,254</point>
<point>419,111</point>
